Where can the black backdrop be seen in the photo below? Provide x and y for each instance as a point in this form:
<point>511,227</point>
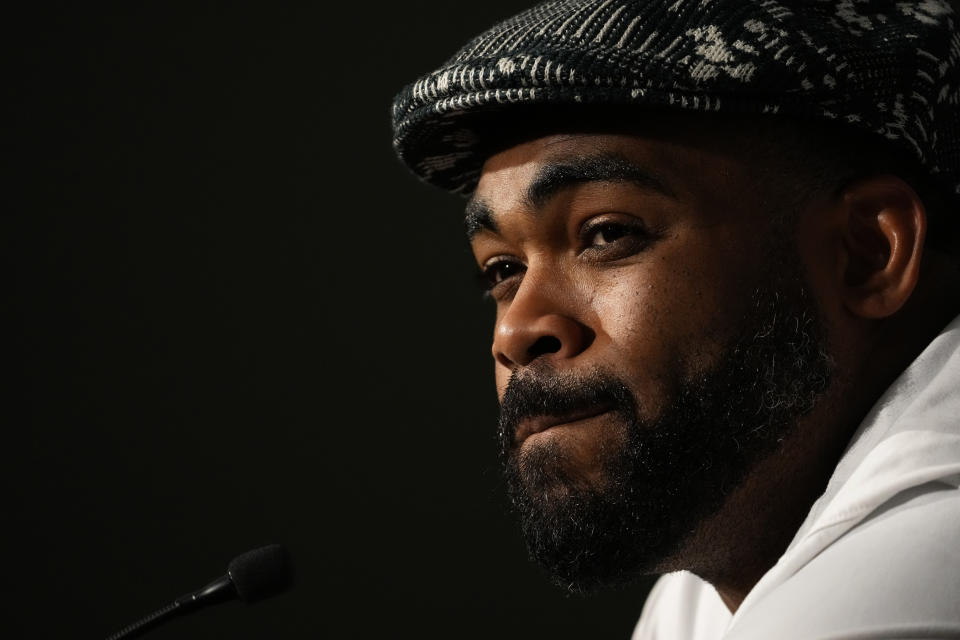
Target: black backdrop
<point>236,319</point>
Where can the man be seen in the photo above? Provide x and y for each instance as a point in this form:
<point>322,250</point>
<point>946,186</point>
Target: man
<point>720,237</point>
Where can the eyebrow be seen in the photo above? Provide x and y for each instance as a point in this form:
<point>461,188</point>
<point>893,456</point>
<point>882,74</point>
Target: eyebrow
<point>478,215</point>
<point>555,177</point>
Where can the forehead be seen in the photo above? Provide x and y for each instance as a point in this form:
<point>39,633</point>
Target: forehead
<point>684,162</point>
<point>521,162</point>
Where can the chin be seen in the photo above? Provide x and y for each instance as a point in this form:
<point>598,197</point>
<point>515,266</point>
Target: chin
<point>570,456</point>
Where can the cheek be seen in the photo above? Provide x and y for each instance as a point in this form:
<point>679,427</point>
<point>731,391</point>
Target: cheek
<point>638,335</point>
<point>664,319</point>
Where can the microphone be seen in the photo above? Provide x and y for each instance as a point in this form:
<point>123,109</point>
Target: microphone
<point>251,577</point>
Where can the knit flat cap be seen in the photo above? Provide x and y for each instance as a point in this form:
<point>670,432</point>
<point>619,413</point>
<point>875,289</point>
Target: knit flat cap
<point>886,68</point>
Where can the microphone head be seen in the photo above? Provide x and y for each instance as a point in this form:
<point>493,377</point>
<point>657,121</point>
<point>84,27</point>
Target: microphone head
<point>261,573</point>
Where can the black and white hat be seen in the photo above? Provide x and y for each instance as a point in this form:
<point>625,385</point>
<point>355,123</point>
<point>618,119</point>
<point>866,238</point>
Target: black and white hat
<point>884,67</point>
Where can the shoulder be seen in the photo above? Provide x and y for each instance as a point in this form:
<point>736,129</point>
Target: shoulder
<point>894,575</point>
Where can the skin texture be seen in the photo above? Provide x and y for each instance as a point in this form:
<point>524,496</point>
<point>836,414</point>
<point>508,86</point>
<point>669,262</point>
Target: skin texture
<point>633,277</point>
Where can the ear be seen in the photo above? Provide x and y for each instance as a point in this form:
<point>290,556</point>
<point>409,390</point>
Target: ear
<point>883,242</point>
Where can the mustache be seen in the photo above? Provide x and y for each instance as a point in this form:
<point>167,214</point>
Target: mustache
<point>544,392</point>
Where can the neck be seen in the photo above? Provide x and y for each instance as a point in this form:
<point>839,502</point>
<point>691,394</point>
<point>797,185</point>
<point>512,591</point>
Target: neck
<point>734,549</point>
<point>746,538</point>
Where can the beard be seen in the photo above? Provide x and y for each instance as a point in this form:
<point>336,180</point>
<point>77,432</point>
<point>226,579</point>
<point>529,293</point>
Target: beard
<point>664,475</point>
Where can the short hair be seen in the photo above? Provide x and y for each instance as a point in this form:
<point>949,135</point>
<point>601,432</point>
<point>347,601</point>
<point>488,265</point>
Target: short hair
<point>818,157</point>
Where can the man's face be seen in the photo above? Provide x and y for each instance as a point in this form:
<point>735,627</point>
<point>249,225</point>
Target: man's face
<point>654,340</point>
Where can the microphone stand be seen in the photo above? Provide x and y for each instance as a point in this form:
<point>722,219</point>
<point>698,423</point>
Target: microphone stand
<point>219,590</point>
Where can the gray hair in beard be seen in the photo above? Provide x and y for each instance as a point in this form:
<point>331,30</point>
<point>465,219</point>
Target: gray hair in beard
<point>677,469</point>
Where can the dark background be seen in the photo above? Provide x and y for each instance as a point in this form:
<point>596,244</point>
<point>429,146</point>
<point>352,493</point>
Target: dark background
<point>234,318</point>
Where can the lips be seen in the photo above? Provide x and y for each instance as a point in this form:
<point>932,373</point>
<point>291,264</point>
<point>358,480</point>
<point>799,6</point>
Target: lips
<point>537,424</point>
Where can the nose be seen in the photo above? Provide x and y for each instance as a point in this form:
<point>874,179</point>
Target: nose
<point>540,321</point>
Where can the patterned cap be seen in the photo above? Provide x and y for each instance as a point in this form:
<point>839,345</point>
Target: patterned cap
<point>879,66</point>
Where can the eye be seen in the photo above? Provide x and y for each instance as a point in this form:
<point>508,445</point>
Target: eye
<point>498,270</point>
<point>614,238</point>
<point>606,233</point>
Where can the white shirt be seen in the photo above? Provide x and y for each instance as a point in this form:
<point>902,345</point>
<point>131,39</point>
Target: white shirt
<point>879,554</point>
